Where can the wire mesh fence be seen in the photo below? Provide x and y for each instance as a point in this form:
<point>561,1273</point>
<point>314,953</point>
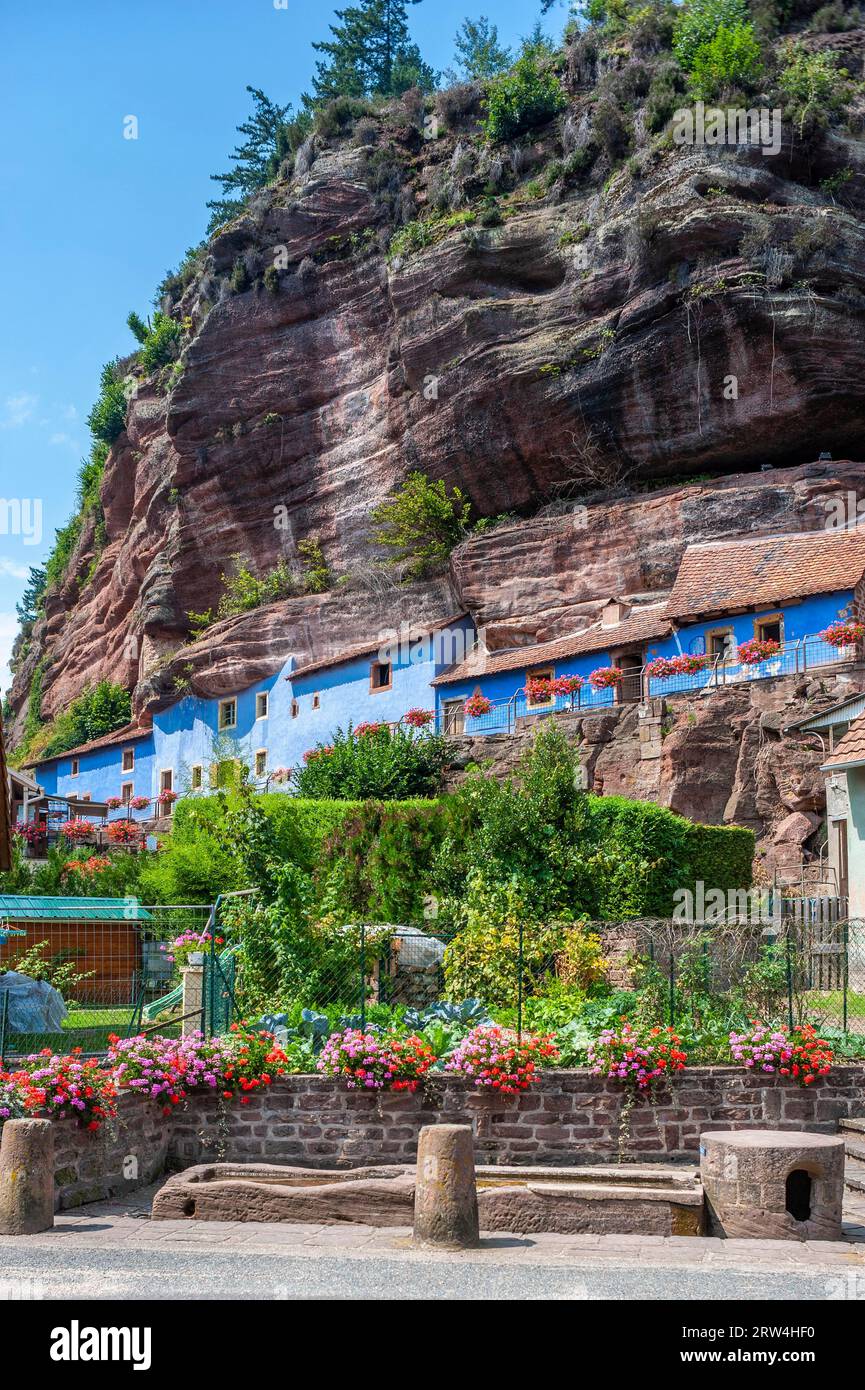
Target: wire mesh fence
<point>124,975</point>
<point>793,971</point>
<point>71,976</point>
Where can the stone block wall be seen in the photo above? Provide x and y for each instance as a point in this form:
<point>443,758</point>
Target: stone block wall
<point>571,1118</point>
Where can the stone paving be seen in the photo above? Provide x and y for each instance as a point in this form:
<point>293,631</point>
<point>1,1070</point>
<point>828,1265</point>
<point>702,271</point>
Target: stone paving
<point>124,1224</point>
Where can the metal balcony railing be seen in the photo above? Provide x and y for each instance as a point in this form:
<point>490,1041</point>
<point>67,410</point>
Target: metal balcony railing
<point>637,687</point>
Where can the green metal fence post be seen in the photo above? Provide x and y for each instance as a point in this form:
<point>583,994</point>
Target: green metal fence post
<point>363,975</point>
<point>789,956</point>
<point>845,929</point>
<point>672,986</point>
<point>520,983</point>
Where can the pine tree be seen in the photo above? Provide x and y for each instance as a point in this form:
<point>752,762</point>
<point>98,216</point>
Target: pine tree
<point>479,53</point>
<point>271,135</point>
<point>30,606</point>
<point>370,54</point>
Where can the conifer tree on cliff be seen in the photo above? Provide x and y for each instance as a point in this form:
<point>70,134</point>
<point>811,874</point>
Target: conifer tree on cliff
<point>370,54</point>
<point>271,133</point>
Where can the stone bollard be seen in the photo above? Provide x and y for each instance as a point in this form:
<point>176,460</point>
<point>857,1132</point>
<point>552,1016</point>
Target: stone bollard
<point>446,1197</point>
<point>773,1184</point>
<point>26,1177</point>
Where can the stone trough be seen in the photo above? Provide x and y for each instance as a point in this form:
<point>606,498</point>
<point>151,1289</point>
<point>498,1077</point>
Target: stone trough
<point>608,1199</point>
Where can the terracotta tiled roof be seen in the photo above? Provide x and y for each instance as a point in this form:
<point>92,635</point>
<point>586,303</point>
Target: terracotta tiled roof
<point>127,734</point>
<point>640,626</point>
<point>851,750</point>
<point>760,571</point>
<point>366,648</point>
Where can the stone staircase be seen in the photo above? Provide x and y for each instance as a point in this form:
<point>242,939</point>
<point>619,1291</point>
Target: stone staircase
<point>853,1132</point>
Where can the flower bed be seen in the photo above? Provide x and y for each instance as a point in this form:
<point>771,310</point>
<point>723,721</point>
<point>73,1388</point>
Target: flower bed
<point>165,1069</point>
<point>496,1058</point>
<point>798,1053</point>
<point>637,1057</point>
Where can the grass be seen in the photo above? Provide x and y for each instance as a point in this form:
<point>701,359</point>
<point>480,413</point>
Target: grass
<point>88,1029</point>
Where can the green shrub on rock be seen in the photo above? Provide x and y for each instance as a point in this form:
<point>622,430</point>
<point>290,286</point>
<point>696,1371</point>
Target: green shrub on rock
<point>521,99</point>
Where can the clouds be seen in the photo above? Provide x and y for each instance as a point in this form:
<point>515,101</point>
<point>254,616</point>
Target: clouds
<point>14,571</point>
<point>17,410</point>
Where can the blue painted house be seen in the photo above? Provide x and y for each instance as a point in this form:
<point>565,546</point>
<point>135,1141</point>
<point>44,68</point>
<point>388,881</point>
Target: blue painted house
<point>269,726</point>
<point>782,588</point>
<point>786,589</point>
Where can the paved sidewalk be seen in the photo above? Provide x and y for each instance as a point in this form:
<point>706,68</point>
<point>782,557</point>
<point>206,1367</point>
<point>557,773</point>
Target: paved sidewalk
<point>112,1250</point>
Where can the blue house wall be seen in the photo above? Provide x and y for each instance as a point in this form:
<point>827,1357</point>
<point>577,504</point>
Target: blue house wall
<point>99,774</point>
<point>804,619</point>
<point>801,620</point>
<point>301,712</point>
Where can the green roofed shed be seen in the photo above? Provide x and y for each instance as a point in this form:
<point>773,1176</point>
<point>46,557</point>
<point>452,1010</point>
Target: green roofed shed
<point>15,907</point>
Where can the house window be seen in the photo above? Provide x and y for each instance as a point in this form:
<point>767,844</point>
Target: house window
<point>316,701</point>
<point>166,784</point>
<point>128,760</point>
<point>261,702</point>
<point>261,763</point>
<point>126,792</point>
<point>545,675</point>
<point>719,642</point>
<point>73,768</point>
<point>770,628</point>
<point>380,676</point>
<point>227,714</point>
<point>196,777</point>
<point>295,709</point>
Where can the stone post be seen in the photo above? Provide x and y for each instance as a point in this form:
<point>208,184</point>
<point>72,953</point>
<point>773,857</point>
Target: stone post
<point>26,1177</point>
<point>446,1198</point>
<point>193,993</point>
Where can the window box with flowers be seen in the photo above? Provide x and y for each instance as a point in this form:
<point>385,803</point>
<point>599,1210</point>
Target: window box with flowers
<point>758,649</point>
<point>605,677</point>
<point>476,706</point>
<point>843,633</point>
<point>418,718</point>
<point>114,802</point>
<point>139,803</point>
<point>166,797</point>
<point>663,667</point>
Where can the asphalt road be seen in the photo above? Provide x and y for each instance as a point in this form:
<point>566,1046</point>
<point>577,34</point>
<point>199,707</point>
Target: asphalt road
<point>55,1272</point>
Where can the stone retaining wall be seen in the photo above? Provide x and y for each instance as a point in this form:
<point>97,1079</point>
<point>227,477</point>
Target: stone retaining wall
<point>572,1117</point>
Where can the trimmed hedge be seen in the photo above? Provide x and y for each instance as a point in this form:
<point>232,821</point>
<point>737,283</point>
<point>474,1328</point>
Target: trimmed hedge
<point>654,852</point>
<point>194,867</point>
<point>372,859</point>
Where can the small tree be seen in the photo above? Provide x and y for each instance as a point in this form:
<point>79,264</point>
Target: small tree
<point>813,87</point>
<point>374,761</point>
<point>729,63</point>
<point>422,524</point>
<point>272,134</point>
<point>521,99</point>
<point>479,53</point>
<point>699,22</point>
<point>107,419</point>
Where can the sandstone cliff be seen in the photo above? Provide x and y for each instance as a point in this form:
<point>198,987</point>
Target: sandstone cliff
<point>566,361</point>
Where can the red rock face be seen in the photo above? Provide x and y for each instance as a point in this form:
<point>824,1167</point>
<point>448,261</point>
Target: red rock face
<point>492,360</point>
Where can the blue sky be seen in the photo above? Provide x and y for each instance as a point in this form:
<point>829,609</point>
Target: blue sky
<point>90,221</point>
